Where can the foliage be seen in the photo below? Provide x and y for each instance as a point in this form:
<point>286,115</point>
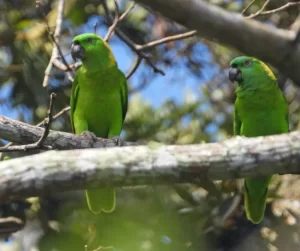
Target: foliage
<point>185,217</point>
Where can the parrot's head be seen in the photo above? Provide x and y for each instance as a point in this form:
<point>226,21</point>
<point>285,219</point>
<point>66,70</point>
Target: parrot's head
<point>90,46</point>
<point>250,72</point>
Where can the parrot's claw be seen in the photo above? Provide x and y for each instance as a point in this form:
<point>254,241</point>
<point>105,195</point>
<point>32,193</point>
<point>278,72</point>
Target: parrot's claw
<point>89,135</point>
<point>118,140</point>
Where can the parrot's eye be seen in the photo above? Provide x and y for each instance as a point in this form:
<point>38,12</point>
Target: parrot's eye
<point>247,63</point>
<point>89,40</point>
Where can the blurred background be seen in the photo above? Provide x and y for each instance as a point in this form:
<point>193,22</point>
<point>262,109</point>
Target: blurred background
<point>192,103</point>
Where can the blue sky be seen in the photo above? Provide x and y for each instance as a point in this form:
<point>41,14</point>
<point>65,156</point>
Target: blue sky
<point>174,85</point>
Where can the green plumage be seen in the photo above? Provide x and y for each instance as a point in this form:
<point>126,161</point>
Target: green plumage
<point>98,103</point>
<point>260,109</point>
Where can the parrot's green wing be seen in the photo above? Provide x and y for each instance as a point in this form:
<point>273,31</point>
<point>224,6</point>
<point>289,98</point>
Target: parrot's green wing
<point>73,99</point>
<point>124,96</point>
<point>255,199</point>
<point>108,202</point>
<point>236,120</point>
<point>256,189</point>
<point>287,111</point>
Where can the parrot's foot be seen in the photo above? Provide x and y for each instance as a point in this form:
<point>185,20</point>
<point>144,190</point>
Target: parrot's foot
<point>118,140</point>
<point>89,135</point>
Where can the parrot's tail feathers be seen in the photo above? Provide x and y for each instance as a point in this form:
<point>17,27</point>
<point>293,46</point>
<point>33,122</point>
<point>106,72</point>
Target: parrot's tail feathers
<point>255,205</point>
<point>101,200</point>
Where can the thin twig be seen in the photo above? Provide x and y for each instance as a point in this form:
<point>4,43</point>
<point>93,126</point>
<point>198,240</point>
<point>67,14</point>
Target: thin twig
<point>56,62</point>
<point>47,121</point>
<point>95,28</point>
<point>128,41</point>
<point>60,53</point>
<point>56,116</point>
<point>23,148</point>
<point>234,204</point>
<point>73,67</point>
<point>40,143</point>
<point>248,6</point>
<point>112,28</point>
<point>136,65</point>
<point>126,12</point>
<point>260,11</point>
<point>290,4</point>
<point>166,39</point>
<point>139,53</point>
<point>56,52</point>
<point>10,225</point>
<point>117,20</point>
<point>57,32</point>
<point>68,68</point>
<point>138,49</point>
<point>61,112</point>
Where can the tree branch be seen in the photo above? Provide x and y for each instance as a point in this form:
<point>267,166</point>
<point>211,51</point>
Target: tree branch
<point>55,171</point>
<point>126,12</point>
<point>232,29</point>
<point>179,36</point>
<point>138,49</point>
<point>134,68</point>
<point>128,41</point>
<point>248,6</point>
<point>8,147</point>
<point>10,225</point>
<point>59,20</point>
<point>114,24</point>
<point>39,144</point>
<point>56,116</point>
<point>268,12</point>
<point>260,11</point>
<point>22,133</point>
<point>47,122</point>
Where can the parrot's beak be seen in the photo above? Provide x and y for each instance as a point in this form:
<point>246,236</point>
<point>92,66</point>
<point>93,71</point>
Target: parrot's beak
<point>77,51</point>
<point>235,74</point>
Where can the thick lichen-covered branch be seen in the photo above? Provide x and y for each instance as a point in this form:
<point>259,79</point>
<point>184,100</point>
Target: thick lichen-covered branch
<point>276,46</point>
<point>55,171</point>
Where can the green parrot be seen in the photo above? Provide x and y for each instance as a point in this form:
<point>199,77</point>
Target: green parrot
<point>98,102</point>
<point>260,109</point>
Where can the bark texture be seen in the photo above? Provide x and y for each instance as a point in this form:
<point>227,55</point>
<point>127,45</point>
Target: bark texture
<point>276,46</point>
<point>55,171</point>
